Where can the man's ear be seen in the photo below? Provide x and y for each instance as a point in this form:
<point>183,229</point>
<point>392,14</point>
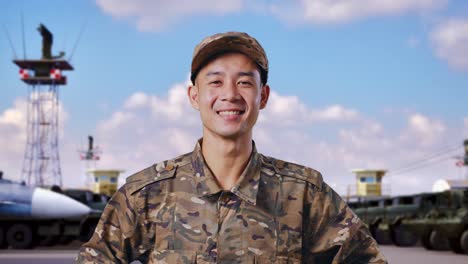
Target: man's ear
<point>265,94</point>
<point>192,93</point>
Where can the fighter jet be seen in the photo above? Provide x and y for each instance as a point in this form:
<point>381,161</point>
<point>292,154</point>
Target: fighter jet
<point>19,200</point>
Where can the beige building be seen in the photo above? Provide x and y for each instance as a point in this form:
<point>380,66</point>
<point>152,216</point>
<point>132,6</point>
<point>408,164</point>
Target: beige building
<point>105,181</point>
<point>369,182</point>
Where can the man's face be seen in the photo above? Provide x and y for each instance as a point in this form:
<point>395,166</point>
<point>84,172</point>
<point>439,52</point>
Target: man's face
<point>229,95</point>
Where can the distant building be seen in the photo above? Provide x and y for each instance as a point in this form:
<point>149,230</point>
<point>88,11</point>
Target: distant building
<point>369,182</point>
<point>105,181</point>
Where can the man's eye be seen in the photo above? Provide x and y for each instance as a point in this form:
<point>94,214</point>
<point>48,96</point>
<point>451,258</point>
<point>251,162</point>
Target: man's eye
<point>245,83</point>
<point>216,82</point>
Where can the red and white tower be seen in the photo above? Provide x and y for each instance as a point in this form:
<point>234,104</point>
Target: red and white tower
<point>41,164</point>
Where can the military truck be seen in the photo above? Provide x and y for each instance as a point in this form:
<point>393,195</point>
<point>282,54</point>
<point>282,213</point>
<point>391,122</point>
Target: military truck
<point>384,216</point>
<point>446,224</point>
<point>439,220</point>
<point>404,208</point>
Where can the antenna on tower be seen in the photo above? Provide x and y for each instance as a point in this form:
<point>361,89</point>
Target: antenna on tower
<point>11,43</point>
<point>83,27</point>
<point>24,41</point>
<point>64,43</point>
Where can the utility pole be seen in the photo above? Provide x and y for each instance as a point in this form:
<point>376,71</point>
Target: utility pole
<point>465,158</point>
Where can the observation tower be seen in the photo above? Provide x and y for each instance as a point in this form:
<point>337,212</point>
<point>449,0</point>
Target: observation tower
<point>41,163</point>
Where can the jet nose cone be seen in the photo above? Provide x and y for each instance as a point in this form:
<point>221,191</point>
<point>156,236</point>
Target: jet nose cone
<point>49,204</point>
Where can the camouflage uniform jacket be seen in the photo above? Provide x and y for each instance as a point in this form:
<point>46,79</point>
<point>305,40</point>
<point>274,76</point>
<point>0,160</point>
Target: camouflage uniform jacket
<point>279,212</point>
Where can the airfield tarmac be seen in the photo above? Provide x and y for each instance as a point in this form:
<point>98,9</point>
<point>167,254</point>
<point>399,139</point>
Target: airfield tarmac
<point>65,255</point>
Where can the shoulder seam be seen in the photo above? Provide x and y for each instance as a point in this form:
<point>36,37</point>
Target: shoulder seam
<point>153,176</point>
<point>156,172</point>
<point>311,176</point>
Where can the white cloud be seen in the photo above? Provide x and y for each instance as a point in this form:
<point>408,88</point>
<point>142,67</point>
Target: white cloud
<point>137,100</point>
<point>176,107</point>
<point>366,137</point>
<point>117,119</point>
<point>172,108</point>
<point>424,130</point>
<point>156,15</point>
<point>13,130</point>
<point>421,124</point>
<point>341,11</point>
<point>289,110</point>
<point>450,41</point>
<point>334,112</point>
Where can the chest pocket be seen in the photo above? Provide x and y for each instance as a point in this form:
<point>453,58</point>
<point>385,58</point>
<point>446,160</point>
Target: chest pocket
<point>172,257</point>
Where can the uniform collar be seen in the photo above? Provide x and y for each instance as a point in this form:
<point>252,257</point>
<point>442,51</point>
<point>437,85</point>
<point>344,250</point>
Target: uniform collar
<point>246,187</point>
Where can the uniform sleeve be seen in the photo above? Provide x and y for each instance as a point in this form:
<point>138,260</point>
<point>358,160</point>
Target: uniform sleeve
<point>334,234</point>
<point>110,240</point>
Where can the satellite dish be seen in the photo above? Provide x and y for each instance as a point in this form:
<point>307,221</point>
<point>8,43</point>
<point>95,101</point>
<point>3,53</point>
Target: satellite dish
<point>440,185</point>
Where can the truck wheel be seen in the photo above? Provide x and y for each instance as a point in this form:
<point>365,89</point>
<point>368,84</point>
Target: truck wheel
<point>382,237</point>
<point>426,240</point>
<point>20,236</point>
<point>464,241</point>
<point>3,243</point>
<point>403,237</point>
<point>438,241</point>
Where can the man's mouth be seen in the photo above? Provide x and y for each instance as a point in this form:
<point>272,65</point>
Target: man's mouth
<point>230,112</point>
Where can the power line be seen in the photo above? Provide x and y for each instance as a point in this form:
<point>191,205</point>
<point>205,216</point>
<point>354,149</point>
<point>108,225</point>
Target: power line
<point>415,167</point>
<point>420,164</point>
<point>426,159</point>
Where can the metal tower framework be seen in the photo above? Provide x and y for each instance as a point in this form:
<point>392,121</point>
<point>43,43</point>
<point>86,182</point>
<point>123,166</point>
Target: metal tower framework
<point>41,164</point>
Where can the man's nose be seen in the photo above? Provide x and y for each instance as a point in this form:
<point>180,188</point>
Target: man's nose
<point>230,91</point>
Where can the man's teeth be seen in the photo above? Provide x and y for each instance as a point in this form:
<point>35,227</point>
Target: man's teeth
<point>229,112</point>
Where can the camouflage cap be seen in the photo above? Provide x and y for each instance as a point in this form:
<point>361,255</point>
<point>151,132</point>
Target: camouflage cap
<point>221,43</point>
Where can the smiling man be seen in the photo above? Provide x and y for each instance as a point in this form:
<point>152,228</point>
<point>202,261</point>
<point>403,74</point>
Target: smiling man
<point>224,202</point>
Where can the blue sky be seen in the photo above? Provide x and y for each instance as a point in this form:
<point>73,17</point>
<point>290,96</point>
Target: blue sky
<point>366,83</point>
